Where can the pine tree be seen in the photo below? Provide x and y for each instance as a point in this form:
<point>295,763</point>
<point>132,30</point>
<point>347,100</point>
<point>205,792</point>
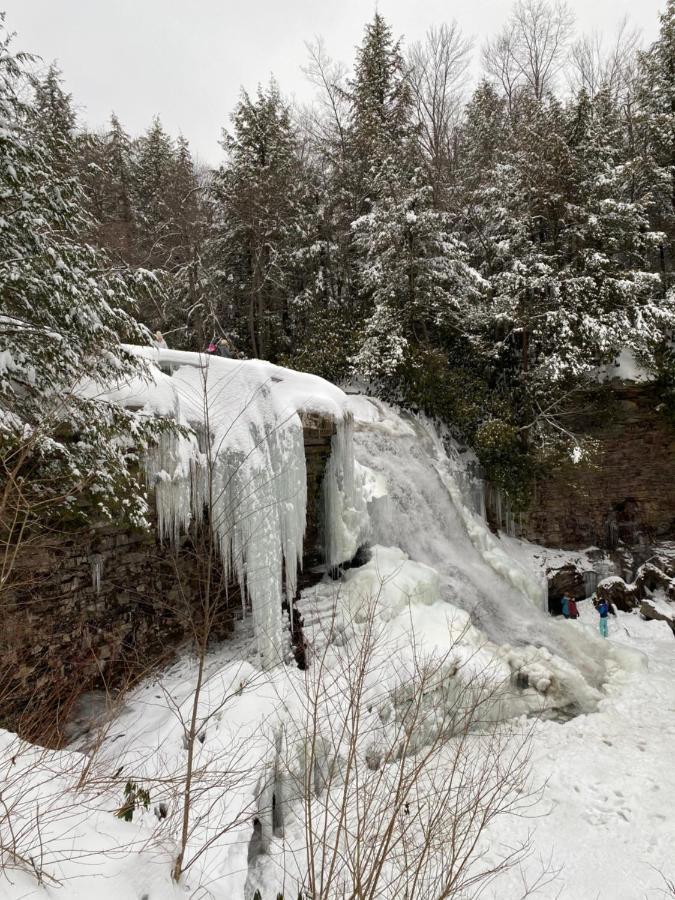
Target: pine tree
<point>415,273</point>
<point>654,136</point>
<point>118,218</point>
<point>52,117</point>
<point>485,133</point>
<point>609,299</point>
<point>380,129</point>
<point>256,199</point>
<point>188,217</point>
<point>152,171</point>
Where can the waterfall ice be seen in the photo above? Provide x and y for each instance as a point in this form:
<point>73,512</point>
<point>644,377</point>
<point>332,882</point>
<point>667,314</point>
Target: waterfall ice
<point>240,461</point>
<point>390,479</point>
<point>345,514</point>
<point>434,517</point>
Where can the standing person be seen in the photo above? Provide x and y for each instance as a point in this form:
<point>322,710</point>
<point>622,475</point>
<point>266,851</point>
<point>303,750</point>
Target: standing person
<point>603,611</point>
<point>565,604</point>
<point>225,348</point>
<point>574,612</point>
<point>159,341</point>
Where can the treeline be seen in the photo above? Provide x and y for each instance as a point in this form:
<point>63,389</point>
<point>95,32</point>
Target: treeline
<point>476,258</point>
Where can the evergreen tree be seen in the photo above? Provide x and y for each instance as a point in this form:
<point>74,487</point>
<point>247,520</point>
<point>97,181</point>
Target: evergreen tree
<point>415,273</point>
<point>63,313</point>
<point>257,197</point>
<point>608,299</point>
<point>188,217</point>
<point>118,219</point>
<point>484,135</point>
<point>52,117</point>
<point>152,171</point>
<point>380,129</point>
<point>655,136</point>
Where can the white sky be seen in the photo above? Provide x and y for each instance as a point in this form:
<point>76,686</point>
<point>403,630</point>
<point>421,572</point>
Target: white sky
<point>186,59</point>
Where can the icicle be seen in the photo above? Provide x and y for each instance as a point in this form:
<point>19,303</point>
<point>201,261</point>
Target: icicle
<point>96,561</point>
<point>251,477</point>
<point>169,468</point>
<point>345,514</point>
<point>591,580</point>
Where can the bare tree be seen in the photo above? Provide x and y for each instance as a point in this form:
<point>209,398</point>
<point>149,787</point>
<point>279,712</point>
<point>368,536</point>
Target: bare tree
<point>530,51</point>
<point>594,65</point>
<point>325,121</point>
<point>438,74</point>
<point>392,767</point>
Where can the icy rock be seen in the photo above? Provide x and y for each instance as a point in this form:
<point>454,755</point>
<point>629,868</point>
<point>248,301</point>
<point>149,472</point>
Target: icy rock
<point>627,597</point>
<point>567,579</point>
<point>392,580</point>
<point>650,610</point>
<point>615,591</point>
<point>653,578</point>
<point>240,457</point>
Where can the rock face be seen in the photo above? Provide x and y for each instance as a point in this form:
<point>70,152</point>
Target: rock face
<point>318,431</point>
<point>627,491</point>
<point>568,579</point>
<point>99,606</point>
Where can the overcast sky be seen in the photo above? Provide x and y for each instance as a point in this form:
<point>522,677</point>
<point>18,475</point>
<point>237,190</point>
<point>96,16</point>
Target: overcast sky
<point>186,59</point>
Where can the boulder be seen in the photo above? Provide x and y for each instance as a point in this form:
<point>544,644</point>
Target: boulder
<point>614,590</point>
<point>627,597</point>
<point>653,578</point>
<point>649,611</point>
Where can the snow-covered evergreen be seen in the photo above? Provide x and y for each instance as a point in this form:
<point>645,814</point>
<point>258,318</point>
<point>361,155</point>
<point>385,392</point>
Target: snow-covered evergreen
<point>64,310</point>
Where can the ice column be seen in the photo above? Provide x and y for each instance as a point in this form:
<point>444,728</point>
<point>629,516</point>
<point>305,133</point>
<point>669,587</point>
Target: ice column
<point>345,513</point>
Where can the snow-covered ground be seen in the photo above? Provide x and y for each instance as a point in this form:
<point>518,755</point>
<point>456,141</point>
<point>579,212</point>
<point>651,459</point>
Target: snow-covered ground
<point>604,824</point>
<point>607,812</point>
<point>437,585</point>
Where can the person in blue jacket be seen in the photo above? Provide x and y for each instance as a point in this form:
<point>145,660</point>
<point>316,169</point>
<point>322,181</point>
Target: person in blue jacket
<point>603,611</point>
<point>565,604</point>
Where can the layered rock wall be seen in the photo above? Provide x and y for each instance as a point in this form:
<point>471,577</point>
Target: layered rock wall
<point>97,606</point>
<point>626,493</point>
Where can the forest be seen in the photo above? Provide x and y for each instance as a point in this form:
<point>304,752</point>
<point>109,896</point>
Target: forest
<point>472,231</point>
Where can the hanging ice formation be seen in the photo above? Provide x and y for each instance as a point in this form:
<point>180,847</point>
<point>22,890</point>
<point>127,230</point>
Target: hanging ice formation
<point>243,462</point>
<point>345,512</point>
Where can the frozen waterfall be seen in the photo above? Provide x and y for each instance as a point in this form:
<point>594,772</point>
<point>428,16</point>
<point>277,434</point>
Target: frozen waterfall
<point>240,457</point>
<point>431,511</point>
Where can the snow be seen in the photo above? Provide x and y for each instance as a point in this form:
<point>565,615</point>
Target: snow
<point>609,788</point>
<point>625,368</point>
<point>663,606</point>
<point>603,820</point>
<point>436,585</point>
